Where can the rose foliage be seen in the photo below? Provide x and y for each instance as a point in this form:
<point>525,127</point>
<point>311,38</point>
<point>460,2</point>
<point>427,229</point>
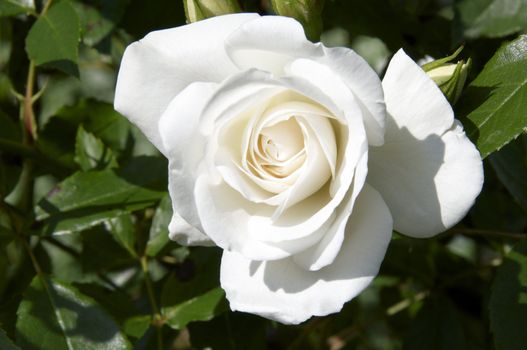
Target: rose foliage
<point>295,158</point>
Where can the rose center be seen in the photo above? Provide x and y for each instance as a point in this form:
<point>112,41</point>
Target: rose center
<point>280,149</point>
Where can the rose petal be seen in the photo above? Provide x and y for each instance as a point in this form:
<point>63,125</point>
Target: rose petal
<point>185,234</point>
<point>314,174</point>
<point>155,69</point>
<point>269,43</point>
<point>413,100</point>
<point>229,220</point>
<point>184,145</point>
<point>324,252</point>
<point>428,171</point>
<point>365,84</point>
<point>283,291</point>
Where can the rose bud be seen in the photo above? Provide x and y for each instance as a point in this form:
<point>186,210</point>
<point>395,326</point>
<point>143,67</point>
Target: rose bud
<point>196,10</point>
<point>450,77</point>
<point>307,12</point>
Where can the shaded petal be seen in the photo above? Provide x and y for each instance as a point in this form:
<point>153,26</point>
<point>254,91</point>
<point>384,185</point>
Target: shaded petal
<point>184,146</point>
<point>324,252</point>
<point>185,234</point>
<point>413,100</point>
<point>428,171</point>
<point>155,69</point>
<point>283,291</point>
<point>230,220</point>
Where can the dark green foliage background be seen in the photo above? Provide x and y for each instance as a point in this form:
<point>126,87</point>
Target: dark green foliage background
<point>85,260</point>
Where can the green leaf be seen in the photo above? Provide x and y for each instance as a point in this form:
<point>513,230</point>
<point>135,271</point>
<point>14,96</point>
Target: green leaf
<point>491,18</point>
<point>498,95</point>
<point>6,343</point>
<point>137,326</point>
<point>98,18</point>
<point>54,315</point>
<point>508,301</point>
<point>159,229</point>
<point>138,185</point>
<point>101,252</point>
<point>79,220</point>
<point>16,7</point>
<point>195,274</point>
<point>510,164</point>
<point>57,138</point>
<point>123,230</point>
<point>64,262</point>
<point>201,308</point>
<point>116,301</point>
<point>54,38</point>
<point>437,326</point>
<point>91,153</point>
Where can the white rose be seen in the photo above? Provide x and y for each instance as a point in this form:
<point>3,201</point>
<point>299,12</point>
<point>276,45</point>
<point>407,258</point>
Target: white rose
<point>294,157</point>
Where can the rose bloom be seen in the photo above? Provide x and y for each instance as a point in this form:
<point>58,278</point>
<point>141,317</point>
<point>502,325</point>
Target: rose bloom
<point>294,158</point>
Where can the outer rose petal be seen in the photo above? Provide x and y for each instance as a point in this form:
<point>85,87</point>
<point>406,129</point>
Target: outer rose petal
<point>269,43</point>
<point>365,84</point>
<point>185,234</point>
<point>428,171</point>
<point>178,129</point>
<point>283,291</point>
<point>155,69</point>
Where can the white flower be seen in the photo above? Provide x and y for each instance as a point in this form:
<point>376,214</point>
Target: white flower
<point>294,157</point>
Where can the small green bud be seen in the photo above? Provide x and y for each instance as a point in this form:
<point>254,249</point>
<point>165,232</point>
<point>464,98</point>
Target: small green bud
<point>307,12</point>
<point>450,77</point>
<point>196,10</point>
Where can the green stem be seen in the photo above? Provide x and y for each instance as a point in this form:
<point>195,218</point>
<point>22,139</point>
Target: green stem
<point>28,115</point>
<point>405,303</point>
<point>46,7</point>
<point>157,320</point>
<point>33,258</point>
<point>486,233</point>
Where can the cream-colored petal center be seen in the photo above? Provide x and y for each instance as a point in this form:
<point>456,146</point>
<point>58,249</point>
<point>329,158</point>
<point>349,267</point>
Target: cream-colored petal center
<point>280,148</point>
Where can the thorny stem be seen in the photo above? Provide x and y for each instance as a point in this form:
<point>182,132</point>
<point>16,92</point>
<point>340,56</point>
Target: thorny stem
<point>157,320</point>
